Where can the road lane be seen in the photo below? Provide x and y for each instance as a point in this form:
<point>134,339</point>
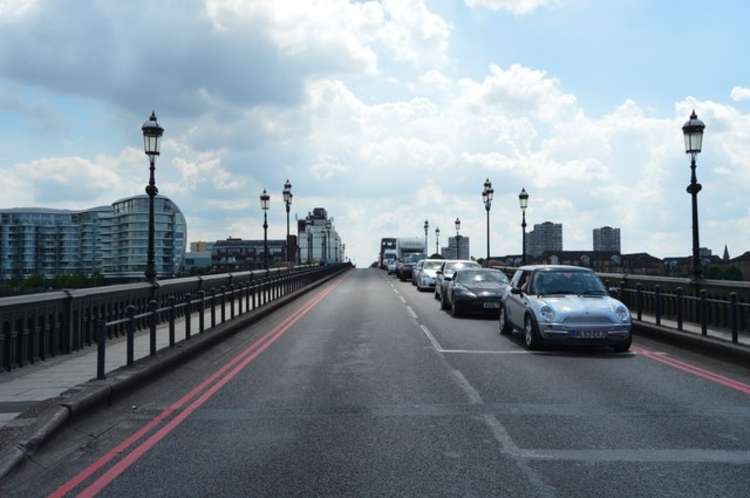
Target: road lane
<point>355,399</point>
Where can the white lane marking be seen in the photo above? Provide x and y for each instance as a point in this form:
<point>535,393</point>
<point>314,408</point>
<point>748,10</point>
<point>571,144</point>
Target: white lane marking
<point>411,312</point>
<point>402,299</point>
<point>431,338</point>
<point>468,389</point>
<point>395,290</point>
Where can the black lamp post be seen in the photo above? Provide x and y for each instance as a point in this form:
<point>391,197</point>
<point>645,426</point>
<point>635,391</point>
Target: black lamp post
<point>523,200</point>
<point>288,202</point>
<point>265,199</point>
<point>437,240</point>
<point>152,133</point>
<point>693,131</point>
<point>458,238</point>
<point>487,195</point>
<point>426,228</point>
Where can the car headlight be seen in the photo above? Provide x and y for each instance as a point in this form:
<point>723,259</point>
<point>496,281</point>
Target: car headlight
<point>546,313</point>
<point>622,314</point>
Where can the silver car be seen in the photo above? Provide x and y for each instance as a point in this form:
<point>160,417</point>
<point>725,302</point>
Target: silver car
<point>427,274</point>
<point>554,304</point>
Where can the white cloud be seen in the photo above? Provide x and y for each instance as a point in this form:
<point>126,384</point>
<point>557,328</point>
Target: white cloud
<point>518,7</point>
<point>740,93</point>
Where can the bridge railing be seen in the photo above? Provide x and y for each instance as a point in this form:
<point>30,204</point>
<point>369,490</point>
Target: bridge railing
<point>715,308</point>
<point>35,327</point>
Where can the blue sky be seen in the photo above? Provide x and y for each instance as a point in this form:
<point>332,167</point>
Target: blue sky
<point>386,113</point>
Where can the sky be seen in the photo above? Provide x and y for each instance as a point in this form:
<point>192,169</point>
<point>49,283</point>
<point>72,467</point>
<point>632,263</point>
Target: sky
<point>387,113</point>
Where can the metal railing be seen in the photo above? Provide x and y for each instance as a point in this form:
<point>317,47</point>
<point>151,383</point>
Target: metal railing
<point>35,327</point>
<point>711,308</point>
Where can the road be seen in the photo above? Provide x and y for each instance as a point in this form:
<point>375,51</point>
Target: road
<point>365,388</point>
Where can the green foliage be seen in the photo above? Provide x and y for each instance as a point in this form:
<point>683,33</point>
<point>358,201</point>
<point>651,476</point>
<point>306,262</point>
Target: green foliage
<point>717,272</point>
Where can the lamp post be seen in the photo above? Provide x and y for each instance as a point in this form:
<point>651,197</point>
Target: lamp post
<point>152,133</point>
<point>458,238</point>
<point>487,195</point>
<point>426,228</point>
<point>523,200</point>
<point>437,240</point>
<point>323,247</point>
<point>287,192</point>
<point>265,199</point>
<point>693,132</point>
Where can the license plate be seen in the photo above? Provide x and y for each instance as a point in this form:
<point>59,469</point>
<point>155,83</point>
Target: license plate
<point>492,305</point>
<point>588,334</point>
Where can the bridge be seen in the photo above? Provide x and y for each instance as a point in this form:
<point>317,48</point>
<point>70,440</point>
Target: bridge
<point>340,382</point>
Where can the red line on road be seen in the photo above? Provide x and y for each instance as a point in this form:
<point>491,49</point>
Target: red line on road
<point>692,369</point>
<point>257,346</point>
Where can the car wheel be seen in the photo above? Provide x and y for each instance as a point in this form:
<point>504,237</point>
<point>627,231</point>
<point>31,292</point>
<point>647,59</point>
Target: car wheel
<point>455,312</point>
<point>530,334</point>
<point>503,324</point>
<point>623,347</point>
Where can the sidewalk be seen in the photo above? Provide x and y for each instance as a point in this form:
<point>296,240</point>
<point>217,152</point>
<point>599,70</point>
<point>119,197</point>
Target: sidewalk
<point>22,388</point>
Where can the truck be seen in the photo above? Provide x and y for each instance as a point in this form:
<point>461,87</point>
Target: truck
<point>409,250</point>
<point>387,252</point>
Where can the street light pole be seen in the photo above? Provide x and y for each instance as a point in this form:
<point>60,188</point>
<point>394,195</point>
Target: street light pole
<point>287,192</point>
<point>265,199</point>
<point>426,228</point>
<point>487,195</point>
<point>523,200</point>
<point>437,240</point>
<point>458,238</point>
<point>152,133</point>
<point>693,133</point>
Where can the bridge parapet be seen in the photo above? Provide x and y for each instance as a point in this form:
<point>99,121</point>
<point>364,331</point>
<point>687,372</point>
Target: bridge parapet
<point>38,326</point>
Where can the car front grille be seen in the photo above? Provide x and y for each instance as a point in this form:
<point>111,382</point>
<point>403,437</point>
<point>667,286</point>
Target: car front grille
<point>588,319</point>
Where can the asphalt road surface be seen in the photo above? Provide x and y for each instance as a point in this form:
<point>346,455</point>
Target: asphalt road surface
<point>365,388</point>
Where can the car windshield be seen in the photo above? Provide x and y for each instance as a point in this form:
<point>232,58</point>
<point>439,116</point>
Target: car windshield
<point>432,265</point>
<point>413,258</point>
<point>480,276</point>
<point>450,268</point>
<point>568,282</point>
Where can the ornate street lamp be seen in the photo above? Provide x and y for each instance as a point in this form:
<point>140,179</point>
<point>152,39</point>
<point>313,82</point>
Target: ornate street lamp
<point>523,200</point>
<point>287,192</point>
<point>693,132</point>
<point>152,133</point>
<point>437,240</point>
<point>457,223</point>
<point>265,199</point>
<point>426,228</point>
<point>487,195</point>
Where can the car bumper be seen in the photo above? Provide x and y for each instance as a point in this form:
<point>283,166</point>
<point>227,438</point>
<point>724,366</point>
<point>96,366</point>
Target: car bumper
<point>427,283</point>
<point>604,334</point>
<point>479,305</point>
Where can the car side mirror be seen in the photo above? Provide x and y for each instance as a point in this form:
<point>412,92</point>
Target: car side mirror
<point>614,291</point>
<point>447,279</point>
<point>516,290</point>
<point>438,272</point>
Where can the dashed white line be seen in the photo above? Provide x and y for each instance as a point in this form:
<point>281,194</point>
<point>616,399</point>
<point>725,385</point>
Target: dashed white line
<point>402,299</point>
<point>411,312</point>
<point>468,389</point>
<point>431,338</point>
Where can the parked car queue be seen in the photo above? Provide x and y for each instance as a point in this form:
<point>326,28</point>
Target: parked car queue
<point>546,304</point>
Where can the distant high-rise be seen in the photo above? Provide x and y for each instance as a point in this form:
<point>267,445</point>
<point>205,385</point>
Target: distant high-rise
<point>607,239</point>
<point>110,241</point>
<point>450,251</point>
<point>546,236</point>
<point>319,242</point>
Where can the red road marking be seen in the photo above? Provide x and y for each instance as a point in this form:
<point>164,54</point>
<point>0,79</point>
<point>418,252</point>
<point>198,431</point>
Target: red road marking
<point>697,371</point>
<point>248,354</point>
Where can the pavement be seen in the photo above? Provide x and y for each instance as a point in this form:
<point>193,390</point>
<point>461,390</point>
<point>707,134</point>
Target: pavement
<point>366,388</point>
<point>23,388</point>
